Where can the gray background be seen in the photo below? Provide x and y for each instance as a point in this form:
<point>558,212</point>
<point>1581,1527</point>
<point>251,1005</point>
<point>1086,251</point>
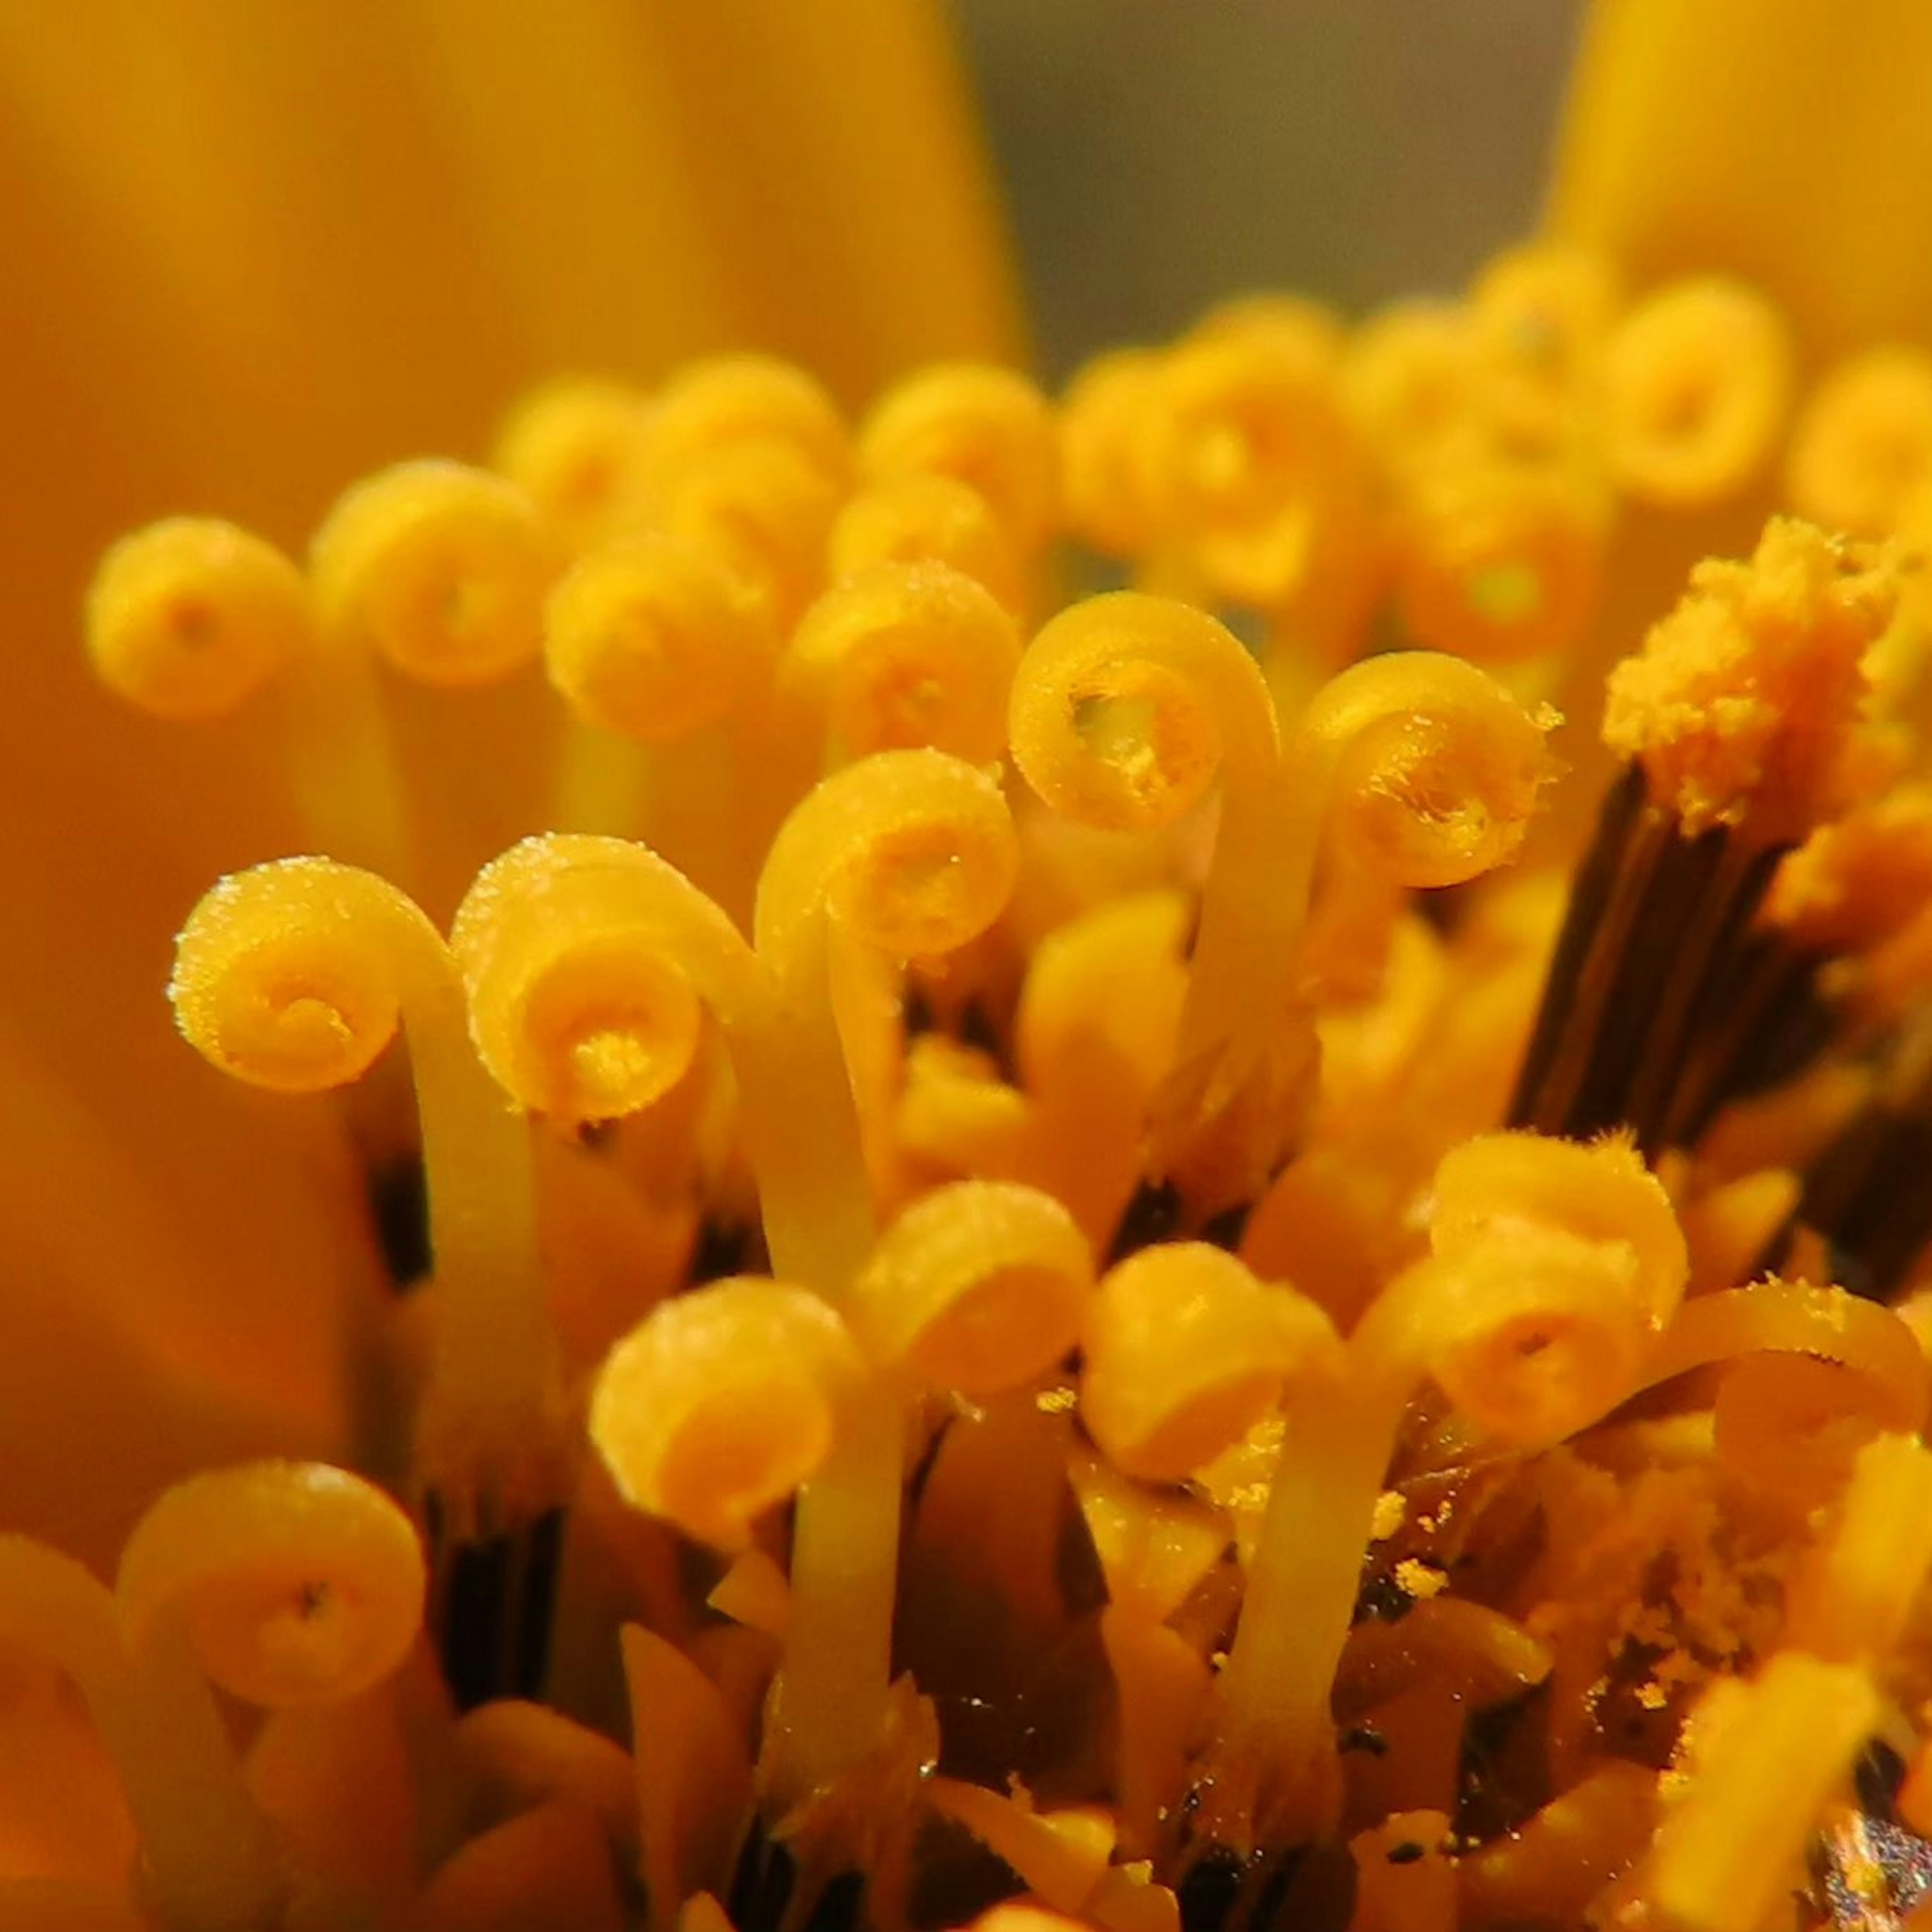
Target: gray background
<point>1158,154</point>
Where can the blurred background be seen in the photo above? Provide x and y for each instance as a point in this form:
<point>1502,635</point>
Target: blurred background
<point>1157,154</point>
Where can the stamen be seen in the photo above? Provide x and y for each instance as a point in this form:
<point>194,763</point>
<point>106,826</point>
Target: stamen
<point>1863,444</point>
<point>653,639</point>
<point>730,402</point>
<point>721,1402</point>
<point>989,428</point>
<point>578,448</point>
<point>1765,1764</point>
<point>1500,562</point>
<point>922,518</point>
<point>911,855</point>
<point>900,656</point>
<point>1697,383</point>
<point>208,1858</point>
<point>1106,483</point>
<point>1740,715</point>
<point>293,976</point>
<point>1552,1268</point>
<point>978,1287</point>
<point>1185,1352</point>
<point>188,619</point>
<point>441,570</point>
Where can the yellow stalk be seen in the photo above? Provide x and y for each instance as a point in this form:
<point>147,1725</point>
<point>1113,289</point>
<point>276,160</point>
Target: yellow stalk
<point>910,854</point>
<point>295,976</point>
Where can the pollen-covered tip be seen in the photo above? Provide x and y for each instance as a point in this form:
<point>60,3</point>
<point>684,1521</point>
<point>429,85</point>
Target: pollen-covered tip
<point>187,618</point>
<point>1745,701</point>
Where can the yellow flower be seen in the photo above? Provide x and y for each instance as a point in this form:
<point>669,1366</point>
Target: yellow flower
<point>1058,1254</point>
<point>261,250</point>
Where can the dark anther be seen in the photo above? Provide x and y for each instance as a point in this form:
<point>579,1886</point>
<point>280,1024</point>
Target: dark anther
<point>1153,1216</point>
<point>1406,1853</point>
<point>722,1248</point>
<point>1364,1737</point>
<point>1646,970</point>
<point>490,1606</point>
<point>1877,1777</point>
<point>1225,1229</point>
<point>1866,1197</point>
<point>399,1215</point>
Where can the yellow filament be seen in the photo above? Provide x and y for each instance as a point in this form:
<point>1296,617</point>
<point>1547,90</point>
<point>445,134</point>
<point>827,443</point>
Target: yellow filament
<point>926,518</point>
<point>576,448</point>
<point>1744,700</point>
<point>730,401</point>
<point>764,510</point>
<point>721,1402</point>
<point>587,960</point>
<point>208,1858</point>
<point>1498,561</point>
<point>1892,1379</point>
<point>1725,1854</point>
<point>441,570</point>
<point>653,638</point>
<point>1854,1596</point>
<point>1256,467</point>
<point>909,854</point>
<point>1127,707</point>
<point>1415,770</point>
<point>188,618</point>
<point>579,954</point>
<point>1697,381</point>
<point>1863,445</point>
<point>1554,1268</point>
<point>902,655</point>
<point>978,1287</point>
<point>989,427</point>
<point>1185,1352</point>
<point>1554,1265</point>
<point>297,1583</point>
<point>292,976</point>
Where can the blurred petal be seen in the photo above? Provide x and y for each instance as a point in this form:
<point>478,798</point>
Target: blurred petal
<point>1784,140</point>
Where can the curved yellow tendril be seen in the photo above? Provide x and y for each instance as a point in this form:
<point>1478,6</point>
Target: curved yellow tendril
<point>440,569</point>
<point>293,975</point>
<point>208,1858</point>
<point>188,618</point>
<point>1697,379</point>
<point>910,855</point>
<point>923,518</point>
<point>296,1583</point>
<point>1554,1267</point>
<point>979,1286</point>
<point>1863,444</point>
<point>989,427</point>
<point>721,1402</point>
<point>727,402</point>
<point>1186,1351</point>
<point>576,447</point>
<point>902,655</point>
